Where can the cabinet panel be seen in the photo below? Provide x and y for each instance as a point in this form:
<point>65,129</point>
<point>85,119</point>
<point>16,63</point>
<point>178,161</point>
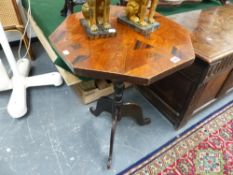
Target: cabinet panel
<point>173,89</point>
<point>176,88</point>
<point>228,84</point>
<point>209,90</point>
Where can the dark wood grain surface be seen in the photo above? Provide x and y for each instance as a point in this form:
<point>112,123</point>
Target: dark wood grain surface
<point>211,29</point>
<point>129,56</point>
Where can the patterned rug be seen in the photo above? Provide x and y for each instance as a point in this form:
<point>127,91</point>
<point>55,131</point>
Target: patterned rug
<point>205,149</point>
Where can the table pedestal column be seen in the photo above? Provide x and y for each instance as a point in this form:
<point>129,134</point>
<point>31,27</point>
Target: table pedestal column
<point>118,109</point>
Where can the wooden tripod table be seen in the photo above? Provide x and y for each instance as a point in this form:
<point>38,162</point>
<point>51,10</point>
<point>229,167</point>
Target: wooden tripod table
<point>129,57</point>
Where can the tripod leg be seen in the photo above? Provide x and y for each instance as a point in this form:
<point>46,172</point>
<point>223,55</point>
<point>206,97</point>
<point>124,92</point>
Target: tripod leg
<point>135,111</point>
<point>69,7</point>
<point>64,9</point>
<point>117,104</point>
<point>114,123</point>
<point>103,104</point>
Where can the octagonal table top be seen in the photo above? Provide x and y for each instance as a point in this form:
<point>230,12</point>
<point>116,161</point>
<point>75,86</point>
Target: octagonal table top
<point>129,56</point>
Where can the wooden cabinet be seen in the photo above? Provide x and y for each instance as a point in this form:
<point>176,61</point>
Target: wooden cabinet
<point>184,93</point>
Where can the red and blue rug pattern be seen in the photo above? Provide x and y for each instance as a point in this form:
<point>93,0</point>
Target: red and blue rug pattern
<point>204,149</point>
